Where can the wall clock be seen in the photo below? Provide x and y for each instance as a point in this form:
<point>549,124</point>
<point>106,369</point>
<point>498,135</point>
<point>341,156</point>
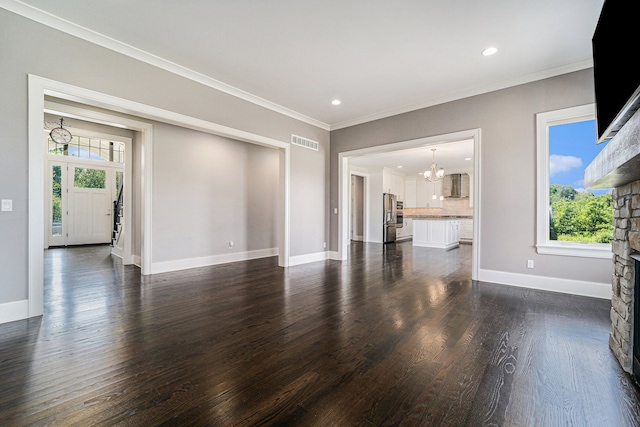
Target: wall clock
<point>60,135</point>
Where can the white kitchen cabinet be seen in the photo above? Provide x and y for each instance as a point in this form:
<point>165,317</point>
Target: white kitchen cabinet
<point>406,232</point>
<point>466,230</point>
<point>393,182</point>
<point>419,193</point>
<point>436,233</point>
<point>410,193</point>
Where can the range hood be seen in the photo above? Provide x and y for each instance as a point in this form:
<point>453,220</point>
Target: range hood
<point>451,186</point>
<point>454,192</point>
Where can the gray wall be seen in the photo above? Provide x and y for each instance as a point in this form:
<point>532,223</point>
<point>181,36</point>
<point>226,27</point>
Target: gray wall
<point>27,47</point>
<point>508,161</point>
<point>222,190</point>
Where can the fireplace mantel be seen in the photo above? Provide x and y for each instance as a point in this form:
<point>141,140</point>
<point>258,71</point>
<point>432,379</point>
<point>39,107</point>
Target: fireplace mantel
<point>619,161</point>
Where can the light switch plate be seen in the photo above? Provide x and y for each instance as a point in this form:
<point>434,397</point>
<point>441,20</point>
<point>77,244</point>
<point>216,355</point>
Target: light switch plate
<point>7,205</point>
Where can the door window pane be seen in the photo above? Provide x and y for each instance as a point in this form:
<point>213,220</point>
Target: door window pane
<point>56,198</point>
<point>89,178</point>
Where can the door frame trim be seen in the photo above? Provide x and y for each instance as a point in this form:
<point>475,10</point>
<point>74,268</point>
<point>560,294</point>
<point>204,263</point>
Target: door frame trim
<point>365,202</point>
<point>344,186</point>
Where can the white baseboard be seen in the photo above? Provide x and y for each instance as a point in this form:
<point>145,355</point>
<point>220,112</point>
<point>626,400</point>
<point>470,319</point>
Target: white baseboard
<point>307,258</point>
<point>137,261</point>
<point>183,264</point>
<point>566,286</point>
<point>318,256</point>
<point>12,311</point>
<point>425,244</point>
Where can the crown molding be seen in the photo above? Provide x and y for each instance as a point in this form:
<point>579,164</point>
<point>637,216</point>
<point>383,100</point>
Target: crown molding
<point>50,20</point>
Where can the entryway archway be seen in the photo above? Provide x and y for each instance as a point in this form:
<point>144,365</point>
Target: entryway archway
<point>40,87</point>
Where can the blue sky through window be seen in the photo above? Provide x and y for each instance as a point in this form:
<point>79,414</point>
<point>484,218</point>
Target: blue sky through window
<point>572,146</point>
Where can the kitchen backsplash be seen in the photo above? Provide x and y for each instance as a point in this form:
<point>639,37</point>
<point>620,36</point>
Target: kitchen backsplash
<point>457,207</point>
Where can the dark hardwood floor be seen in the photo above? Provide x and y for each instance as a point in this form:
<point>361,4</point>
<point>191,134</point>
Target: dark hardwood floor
<point>395,336</point>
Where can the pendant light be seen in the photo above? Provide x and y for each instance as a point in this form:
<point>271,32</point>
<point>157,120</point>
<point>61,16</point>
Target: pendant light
<point>434,174</point>
<point>434,197</point>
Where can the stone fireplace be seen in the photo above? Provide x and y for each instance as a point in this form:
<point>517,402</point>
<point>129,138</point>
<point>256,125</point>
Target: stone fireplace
<point>618,167</point>
<point>626,243</point>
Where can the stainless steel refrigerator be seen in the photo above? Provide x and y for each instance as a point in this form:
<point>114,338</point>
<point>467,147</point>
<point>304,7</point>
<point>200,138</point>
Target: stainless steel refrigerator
<point>389,206</point>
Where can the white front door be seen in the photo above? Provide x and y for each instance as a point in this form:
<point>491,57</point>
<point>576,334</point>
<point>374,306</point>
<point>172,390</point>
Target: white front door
<point>89,205</point>
<point>81,203</point>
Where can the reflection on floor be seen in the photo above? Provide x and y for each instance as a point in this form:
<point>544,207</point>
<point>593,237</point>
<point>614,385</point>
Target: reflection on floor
<point>396,335</point>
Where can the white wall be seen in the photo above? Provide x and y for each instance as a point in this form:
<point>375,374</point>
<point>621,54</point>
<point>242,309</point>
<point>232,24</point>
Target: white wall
<point>375,207</point>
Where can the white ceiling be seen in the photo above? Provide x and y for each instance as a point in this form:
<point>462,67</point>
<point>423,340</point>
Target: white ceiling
<point>451,156</point>
<point>379,57</point>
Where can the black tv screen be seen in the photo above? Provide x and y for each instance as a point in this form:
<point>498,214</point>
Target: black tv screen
<point>616,72</point>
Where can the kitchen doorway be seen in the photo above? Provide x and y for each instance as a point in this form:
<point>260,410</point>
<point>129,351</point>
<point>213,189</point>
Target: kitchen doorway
<point>344,180</point>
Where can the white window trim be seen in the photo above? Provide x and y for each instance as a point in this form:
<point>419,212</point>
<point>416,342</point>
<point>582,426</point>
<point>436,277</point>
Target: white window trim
<point>543,244</point>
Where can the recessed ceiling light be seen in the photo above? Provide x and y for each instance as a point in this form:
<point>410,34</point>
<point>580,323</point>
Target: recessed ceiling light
<point>467,158</point>
<point>399,166</point>
<point>489,51</point>
<point>336,102</point>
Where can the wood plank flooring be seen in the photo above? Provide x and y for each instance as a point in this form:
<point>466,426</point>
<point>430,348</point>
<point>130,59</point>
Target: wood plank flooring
<point>395,336</point>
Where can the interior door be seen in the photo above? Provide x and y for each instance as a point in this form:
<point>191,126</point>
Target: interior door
<point>89,203</point>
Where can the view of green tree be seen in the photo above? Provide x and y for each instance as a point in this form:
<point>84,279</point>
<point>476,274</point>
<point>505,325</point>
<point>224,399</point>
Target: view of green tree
<point>57,194</point>
<point>89,178</point>
<point>579,216</point>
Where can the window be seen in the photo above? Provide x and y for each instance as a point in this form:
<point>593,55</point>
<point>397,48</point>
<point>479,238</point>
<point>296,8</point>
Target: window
<point>570,220</point>
<point>83,147</point>
<point>89,178</point>
<point>56,200</point>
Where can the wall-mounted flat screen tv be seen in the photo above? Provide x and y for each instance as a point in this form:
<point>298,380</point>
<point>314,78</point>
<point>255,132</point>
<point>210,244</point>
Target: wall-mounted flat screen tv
<point>616,42</point>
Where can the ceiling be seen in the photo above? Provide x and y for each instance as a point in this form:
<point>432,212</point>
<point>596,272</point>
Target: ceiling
<point>378,57</point>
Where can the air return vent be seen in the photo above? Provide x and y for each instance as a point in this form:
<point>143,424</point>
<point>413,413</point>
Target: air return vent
<point>304,142</point>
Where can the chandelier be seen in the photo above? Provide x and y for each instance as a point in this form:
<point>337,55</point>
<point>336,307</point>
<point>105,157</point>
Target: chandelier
<point>434,174</point>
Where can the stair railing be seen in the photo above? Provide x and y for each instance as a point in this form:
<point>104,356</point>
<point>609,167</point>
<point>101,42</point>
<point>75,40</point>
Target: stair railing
<point>117,215</point>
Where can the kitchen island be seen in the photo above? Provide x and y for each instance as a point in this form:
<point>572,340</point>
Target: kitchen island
<point>436,232</point>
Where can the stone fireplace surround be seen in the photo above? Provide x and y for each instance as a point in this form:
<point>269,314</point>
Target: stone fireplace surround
<point>618,167</point>
<point>626,223</point>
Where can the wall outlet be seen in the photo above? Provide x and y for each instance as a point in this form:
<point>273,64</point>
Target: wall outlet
<point>324,245</point>
<point>529,263</point>
<point>230,244</point>
<point>7,205</point>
